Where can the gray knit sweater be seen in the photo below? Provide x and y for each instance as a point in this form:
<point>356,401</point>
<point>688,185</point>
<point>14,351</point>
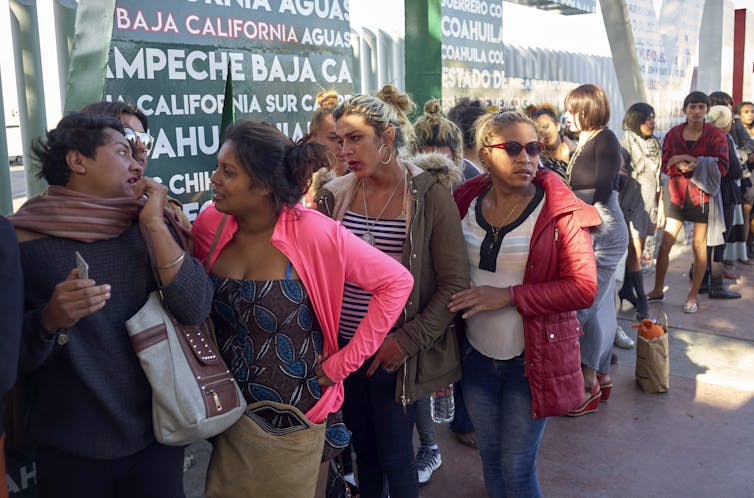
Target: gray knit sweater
<point>92,397</point>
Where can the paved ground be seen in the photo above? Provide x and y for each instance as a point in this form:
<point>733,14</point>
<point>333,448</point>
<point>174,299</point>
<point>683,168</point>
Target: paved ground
<point>694,441</point>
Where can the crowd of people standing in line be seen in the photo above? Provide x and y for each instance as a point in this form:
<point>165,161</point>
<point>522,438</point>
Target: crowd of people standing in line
<point>354,273</point>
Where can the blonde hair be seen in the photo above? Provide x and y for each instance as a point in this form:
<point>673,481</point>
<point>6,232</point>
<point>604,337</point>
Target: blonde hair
<point>326,100</point>
<point>388,107</point>
<point>490,125</point>
<point>435,130</point>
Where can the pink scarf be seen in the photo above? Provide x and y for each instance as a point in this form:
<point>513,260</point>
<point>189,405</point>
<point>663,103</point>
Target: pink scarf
<point>65,213</point>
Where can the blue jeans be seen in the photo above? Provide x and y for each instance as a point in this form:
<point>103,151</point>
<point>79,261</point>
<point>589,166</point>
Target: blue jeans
<point>498,399</point>
<point>382,434</point>
<point>461,421</point>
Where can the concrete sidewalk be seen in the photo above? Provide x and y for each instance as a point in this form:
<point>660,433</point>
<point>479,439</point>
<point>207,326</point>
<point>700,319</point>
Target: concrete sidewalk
<point>694,441</point>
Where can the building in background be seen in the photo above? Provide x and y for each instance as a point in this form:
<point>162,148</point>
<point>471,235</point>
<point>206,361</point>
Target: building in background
<point>172,58</point>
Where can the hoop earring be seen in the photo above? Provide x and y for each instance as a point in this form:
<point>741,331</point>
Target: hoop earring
<point>379,154</point>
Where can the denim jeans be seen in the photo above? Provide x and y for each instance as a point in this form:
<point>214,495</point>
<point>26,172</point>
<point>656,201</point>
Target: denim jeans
<point>425,425</point>
<point>382,434</point>
<point>498,399</point>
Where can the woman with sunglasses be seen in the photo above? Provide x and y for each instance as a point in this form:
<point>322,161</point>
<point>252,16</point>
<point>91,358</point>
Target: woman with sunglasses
<point>592,175</point>
<point>531,264</point>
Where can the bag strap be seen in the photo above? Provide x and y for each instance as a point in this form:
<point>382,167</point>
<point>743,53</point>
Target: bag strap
<point>213,246</point>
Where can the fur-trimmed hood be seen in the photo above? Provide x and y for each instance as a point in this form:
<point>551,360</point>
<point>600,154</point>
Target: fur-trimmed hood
<point>445,170</point>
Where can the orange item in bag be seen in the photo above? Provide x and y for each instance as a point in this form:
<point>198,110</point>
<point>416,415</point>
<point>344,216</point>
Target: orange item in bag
<point>649,329</point>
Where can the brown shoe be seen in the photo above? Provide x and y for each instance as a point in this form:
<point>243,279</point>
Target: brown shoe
<point>466,438</point>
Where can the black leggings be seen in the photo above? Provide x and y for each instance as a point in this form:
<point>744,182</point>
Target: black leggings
<point>154,472</point>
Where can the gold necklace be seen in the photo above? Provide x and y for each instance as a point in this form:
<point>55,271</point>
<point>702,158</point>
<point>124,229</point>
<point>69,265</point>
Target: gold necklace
<point>496,230</point>
<point>368,237</point>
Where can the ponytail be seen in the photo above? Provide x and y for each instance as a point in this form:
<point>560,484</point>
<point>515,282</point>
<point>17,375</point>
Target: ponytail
<point>301,161</point>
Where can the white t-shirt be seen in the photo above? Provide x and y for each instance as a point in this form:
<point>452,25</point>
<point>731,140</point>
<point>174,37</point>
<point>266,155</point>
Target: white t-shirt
<point>499,334</point>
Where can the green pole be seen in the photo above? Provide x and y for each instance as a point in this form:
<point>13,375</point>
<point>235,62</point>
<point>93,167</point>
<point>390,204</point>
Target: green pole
<point>91,46</point>
<point>6,195</point>
<point>65,27</point>
<point>423,67</point>
<point>28,63</point>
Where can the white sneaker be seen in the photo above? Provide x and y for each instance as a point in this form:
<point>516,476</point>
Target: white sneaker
<point>427,461</point>
<point>622,340</point>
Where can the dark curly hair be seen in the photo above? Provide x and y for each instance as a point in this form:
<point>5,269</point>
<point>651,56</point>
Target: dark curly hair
<point>116,109</point>
<point>82,132</point>
<point>272,159</point>
<point>464,114</point>
<point>636,115</point>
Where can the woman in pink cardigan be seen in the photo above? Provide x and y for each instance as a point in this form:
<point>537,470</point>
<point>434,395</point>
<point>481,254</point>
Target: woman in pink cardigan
<point>279,271</point>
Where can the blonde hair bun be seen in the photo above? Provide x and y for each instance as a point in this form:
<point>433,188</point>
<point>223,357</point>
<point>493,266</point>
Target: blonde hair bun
<point>432,107</point>
<point>396,98</point>
<point>327,98</point>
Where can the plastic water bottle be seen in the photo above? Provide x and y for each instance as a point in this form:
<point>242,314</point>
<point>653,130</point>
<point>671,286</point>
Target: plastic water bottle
<point>442,405</point>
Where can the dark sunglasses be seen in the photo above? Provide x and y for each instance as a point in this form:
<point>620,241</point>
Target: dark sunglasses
<point>514,148</point>
<point>145,138</point>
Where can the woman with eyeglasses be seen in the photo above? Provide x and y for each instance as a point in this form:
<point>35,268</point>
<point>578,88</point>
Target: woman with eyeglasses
<point>532,266</point>
<point>592,174</point>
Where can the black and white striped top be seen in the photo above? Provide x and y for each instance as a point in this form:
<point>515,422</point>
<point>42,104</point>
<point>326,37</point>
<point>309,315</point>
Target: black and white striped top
<point>389,237</point>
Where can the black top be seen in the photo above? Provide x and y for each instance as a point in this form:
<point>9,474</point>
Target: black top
<point>11,308</point>
<point>595,171</point>
<point>92,397</point>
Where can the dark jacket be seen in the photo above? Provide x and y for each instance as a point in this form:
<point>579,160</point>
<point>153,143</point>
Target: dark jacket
<point>11,308</point>
<point>434,254</point>
<point>560,278</point>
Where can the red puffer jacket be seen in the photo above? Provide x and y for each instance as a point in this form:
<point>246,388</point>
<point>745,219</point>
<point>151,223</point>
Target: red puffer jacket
<point>560,278</point>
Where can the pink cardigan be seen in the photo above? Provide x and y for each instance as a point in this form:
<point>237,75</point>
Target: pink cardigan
<point>325,256</point>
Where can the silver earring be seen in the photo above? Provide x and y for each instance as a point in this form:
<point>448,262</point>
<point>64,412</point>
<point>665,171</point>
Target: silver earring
<point>379,154</point>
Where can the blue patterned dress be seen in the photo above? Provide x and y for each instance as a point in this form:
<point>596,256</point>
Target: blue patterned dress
<point>270,337</point>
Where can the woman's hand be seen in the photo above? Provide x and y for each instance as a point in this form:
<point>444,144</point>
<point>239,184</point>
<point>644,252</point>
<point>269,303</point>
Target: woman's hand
<point>685,167</point>
<point>390,355</point>
<point>72,300</point>
<point>322,379</point>
<point>476,299</point>
<point>660,213</point>
<point>681,158</point>
<point>151,214</point>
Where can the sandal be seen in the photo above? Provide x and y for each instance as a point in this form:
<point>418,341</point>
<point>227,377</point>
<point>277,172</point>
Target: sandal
<point>690,308</point>
<point>656,298</point>
<point>591,403</point>
<point>606,386</point>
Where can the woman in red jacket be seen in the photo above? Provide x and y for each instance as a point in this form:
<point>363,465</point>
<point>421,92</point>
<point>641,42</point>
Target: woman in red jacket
<point>532,266</point>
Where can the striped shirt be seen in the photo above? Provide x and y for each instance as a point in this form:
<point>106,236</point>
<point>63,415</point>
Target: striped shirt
<point>389,236</point>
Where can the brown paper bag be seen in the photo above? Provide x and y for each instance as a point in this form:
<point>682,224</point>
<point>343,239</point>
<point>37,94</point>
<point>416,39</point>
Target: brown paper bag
<point>653,364</point>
